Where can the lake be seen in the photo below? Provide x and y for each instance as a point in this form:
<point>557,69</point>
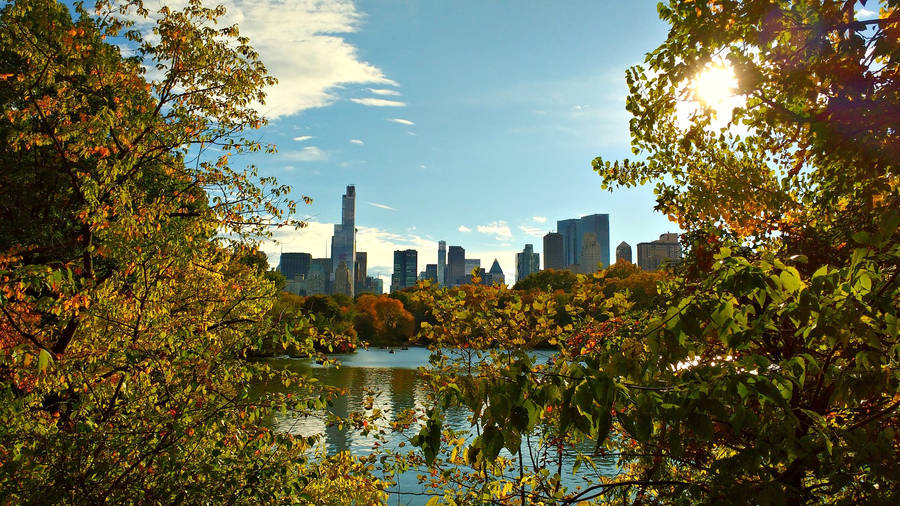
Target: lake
<point>398,385</point>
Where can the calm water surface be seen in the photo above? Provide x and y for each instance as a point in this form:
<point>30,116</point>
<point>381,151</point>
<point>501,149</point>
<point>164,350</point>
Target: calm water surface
<point>398,386</point>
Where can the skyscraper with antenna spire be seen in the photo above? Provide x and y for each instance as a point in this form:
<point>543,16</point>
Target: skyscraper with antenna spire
<point>343,242</point>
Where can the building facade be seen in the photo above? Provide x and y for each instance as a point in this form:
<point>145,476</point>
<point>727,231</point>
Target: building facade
<point>431,273</point>
<point>442,263</point>
<point>527,262</point>
<point>573,231</point>
<point>591,254</point>
<point>553,251</point>
<point>569,230</point>
<point>666,249</point>
<point>597,224</point>
<point>495,275</point>
<point>405,269</point>
<point>623,252</point>
<point>294,265</point>
<point>360,270</point>
<point>343,283</point>
<point>456,265</point>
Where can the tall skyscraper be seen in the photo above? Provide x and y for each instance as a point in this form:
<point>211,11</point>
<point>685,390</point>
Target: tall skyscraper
<point>456,265</point>
<point>653,254</point>
<point>597,224</point>
<point>442,263</point>
<point>527,262</point>
<point>343,243</point>
<point>568,229</point>
<point>553,251</point>
<point>573,231</point>
<point>405,269</point>
<point>591,254</point>
<point>293,265</point>
<point>623,252</point>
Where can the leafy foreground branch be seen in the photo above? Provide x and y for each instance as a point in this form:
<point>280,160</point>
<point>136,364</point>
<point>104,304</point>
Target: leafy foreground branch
<point>126,317</point>
<point>770,372</point>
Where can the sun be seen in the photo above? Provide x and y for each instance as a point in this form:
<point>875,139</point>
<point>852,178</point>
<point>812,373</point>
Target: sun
<point>715,85</point>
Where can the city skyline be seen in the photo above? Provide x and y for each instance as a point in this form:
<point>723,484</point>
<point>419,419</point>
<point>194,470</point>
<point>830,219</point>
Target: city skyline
<point>474,124</point>
<point>587,235</point>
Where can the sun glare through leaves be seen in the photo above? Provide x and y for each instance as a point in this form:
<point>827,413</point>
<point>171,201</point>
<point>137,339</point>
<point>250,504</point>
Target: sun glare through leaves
<point>715,86</point>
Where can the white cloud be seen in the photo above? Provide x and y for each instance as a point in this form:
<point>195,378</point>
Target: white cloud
<point>401,121</point>
<point>381,206</point>
<point>289,168</point>
<point>539,219</point>
<point>423,166</point>
<point>412,133</point>
<point>532,231</point>
<point>302,44</point>
<point>463,228</point>
<point>866,14</point>
<point>378,91</point>
<point>356,141</point>
<point>499,229</point>
<point>307,154</point>
<point>303,138</point>
<point>378,102</point>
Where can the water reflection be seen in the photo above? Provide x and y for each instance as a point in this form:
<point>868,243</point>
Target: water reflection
<point>390,378</point>
<point>393,380</point>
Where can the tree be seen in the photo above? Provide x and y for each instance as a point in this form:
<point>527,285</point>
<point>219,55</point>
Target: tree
<point>641,285</point>
<point>548,279</point>
<point>130,286</point>
<point>771,375</point>
<point>382,320</point>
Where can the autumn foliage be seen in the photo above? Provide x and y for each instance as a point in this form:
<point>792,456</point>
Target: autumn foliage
<point>130,287</point>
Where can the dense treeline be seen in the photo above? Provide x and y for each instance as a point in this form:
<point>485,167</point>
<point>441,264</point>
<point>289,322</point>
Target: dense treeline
<point>338,324</point>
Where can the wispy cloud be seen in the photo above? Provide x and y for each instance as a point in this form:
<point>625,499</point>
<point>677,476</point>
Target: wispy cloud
<point>302,138</point>
<point>401,121</point>
<point>381,206</point>
<point>532,231</point>
<point>303,45</point>
<point>382,91</point>
<point>499,229</point>
<point>463,228</point>
<point>356,141</point>
<point>865,13</point>
<point>539,219</point>
<point>378,102</point>
<point>307,154</point>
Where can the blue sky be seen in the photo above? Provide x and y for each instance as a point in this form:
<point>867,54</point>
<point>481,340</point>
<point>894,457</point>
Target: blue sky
<point>472,122</point>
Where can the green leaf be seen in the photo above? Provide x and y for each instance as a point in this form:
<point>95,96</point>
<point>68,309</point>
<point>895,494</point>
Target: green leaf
<point>790,279</point>
<point>44,360</point>
<point>491,442</point>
